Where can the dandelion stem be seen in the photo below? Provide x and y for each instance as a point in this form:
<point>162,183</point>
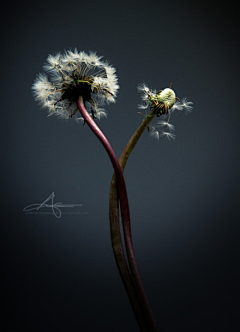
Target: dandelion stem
<point>120,257</point>
<point>134,139</point>
<point>119,191</point>
<point>114,221</point>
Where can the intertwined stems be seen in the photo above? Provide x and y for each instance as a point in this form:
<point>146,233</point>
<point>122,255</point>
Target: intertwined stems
<point>120,258</point>
<point>121,190</point>
<point>114,223</point>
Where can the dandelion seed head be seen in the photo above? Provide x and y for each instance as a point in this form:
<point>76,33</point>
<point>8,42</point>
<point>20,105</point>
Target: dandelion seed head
<point>74,74</point>
<point>162,104</point>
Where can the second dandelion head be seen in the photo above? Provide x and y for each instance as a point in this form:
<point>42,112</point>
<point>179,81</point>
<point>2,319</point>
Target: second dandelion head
<point>163,103</point>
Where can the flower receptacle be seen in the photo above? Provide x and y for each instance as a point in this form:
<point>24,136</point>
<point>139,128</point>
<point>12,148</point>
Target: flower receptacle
<point>166,97</point>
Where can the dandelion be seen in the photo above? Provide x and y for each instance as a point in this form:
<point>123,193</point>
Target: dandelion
<point>71,75</point>
<point>162,103</point>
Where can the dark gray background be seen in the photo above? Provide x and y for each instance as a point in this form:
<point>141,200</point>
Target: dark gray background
<point>60,274</point>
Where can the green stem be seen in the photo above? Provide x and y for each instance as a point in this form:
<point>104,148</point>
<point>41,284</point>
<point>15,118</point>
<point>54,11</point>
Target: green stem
<point>134,139</point>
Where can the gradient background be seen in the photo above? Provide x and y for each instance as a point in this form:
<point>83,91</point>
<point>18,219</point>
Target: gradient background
<point>60,274</point>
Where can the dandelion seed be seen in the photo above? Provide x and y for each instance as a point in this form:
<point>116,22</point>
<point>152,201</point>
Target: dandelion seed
<point>187,105</point>
<point>176,107</point>
<point>154,133</point>
<point>148,96</point>
<point>53,61</point>
<point>142,88</point>
<point>100,113</point>
<point>168,135</point>
<point>143,107</point>
<point>169,126</point>
<point>74,74</point>
<point>80,120</point>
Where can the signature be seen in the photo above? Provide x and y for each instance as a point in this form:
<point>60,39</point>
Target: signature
<point>54,206</point>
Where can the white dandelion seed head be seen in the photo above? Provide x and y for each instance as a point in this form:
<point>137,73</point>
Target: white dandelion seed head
<point>74,74</point>
<point>167,97</point>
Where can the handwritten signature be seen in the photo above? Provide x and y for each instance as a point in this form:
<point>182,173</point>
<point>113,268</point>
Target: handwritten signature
<point>54,206</point>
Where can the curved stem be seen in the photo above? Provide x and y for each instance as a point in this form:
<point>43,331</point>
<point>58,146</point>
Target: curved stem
<point>114,218</point>
<point>125,218</point>
<point>134,139</point>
